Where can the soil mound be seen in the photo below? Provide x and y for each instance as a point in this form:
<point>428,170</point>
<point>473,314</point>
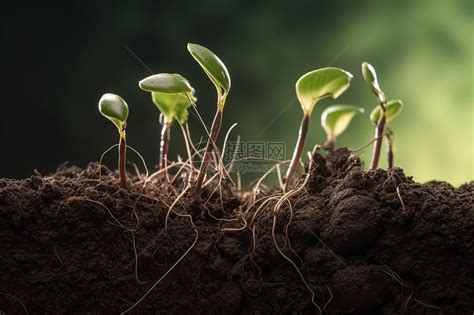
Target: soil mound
<point>364,242</point>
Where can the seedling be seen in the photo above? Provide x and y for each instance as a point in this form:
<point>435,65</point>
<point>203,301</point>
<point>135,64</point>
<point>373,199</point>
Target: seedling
<point>370,77</point>
<point>173,95</point>
<point>380,114</point>
<point>335,120</point>
<point>219,76</point>
<point>392,109</point>
<point>310,88</point>
<point>115,109</point>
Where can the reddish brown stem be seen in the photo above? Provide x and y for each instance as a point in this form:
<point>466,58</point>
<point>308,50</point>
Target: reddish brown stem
<point>389,138</point>
<point>164,145</point>
<point>121,161</point>
<point>298,150</point>
<point>216,126</point>
<point>378,140</point>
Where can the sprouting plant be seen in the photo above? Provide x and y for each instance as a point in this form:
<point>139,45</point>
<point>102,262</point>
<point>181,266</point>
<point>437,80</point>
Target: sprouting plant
<point>335,120</point>
<point>380,115</point>
<point>115,109</point>
<point>392,109</point>
<point>173,95</point>
<point>219,76</point>
<point>310,88</point>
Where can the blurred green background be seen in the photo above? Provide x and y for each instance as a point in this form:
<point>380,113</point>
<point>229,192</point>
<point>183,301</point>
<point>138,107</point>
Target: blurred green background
<point>60,58</point>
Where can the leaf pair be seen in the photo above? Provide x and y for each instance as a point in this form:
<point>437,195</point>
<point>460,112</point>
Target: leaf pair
<point>171,93</point>
<point>392,108</point>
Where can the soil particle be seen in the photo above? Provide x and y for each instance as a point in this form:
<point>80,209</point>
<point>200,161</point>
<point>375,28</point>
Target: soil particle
<point>365,242</point>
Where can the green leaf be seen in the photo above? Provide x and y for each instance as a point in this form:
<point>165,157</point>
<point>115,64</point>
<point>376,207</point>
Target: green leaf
<point>392,109</point>
<point>370,77</point>
<point>166,83</point>
<point>317,84</point>
<point>114,108</point>
<point>172,105</point>
<point>214,68</point>
<point>336,118</point>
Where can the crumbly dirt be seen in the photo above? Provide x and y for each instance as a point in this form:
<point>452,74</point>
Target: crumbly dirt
<point>365,242</point>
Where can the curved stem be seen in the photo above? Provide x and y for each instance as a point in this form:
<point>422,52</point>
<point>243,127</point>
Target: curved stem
<point>164,145</point>
<point>298,149</point>
<point>216,126</point>
<point>378,139</point>
<point>122,159</point>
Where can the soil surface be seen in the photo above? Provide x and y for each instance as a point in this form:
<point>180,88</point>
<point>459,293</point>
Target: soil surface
<point>363,242</point>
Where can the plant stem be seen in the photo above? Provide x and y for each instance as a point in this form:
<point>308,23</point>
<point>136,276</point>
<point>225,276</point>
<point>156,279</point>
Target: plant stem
<point>329,144</point>
<point>378,139</point>
<point>216,126</point>
<point>121,160</point>
<point>164,145</point>
<point>298,150</point>
<point>388,136</point>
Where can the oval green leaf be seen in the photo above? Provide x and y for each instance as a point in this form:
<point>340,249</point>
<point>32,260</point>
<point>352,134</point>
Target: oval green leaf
<point>392,109</point>
<point>214,68</point>
<point>370,77</point>
<point>172,105</point>
<point>166,83</point>
<point>336,118</point>
<point>114,108</point>
<point>317,84</point>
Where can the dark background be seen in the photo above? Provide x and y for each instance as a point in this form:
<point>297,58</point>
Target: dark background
<point>59,58</point>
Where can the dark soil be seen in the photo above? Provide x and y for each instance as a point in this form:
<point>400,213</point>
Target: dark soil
<point>366,242</point>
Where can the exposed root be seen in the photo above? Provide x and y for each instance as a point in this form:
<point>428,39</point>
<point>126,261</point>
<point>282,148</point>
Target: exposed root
<point>400,198</point>
<point>58,257</point>
<point>142,159</point>
<point>75,199</point>
<point>389,272</point>
<point>285,199</point>
<point>16,299</point>
<point>136,258</point>
<point>330,298</point>
<point>428,306</point>
<point>243,227</point>
<point>102,157</point>
<point>287,226</point>
<point>173,204</point>
<point>294,265</point>
<point>404,307</point>
<point>171,268</point>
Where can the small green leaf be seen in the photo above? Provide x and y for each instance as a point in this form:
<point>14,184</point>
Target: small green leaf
<point>317,84</point>
<point>115,109</point>
<point>336,118</point>
<point>392,109</point>
<point>370,77</point>
<point>172,105</point>
<point>166,83</point>
<point>214,68</point>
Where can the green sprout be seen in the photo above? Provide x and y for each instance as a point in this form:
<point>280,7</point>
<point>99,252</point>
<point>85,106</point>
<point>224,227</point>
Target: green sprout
<point>115,109</point>
<point>380,115</point>
<point>335,120</point>
<point>219,76</point>
<point>173,95</point>
<point>392,109</point>
<point>310,88</point>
